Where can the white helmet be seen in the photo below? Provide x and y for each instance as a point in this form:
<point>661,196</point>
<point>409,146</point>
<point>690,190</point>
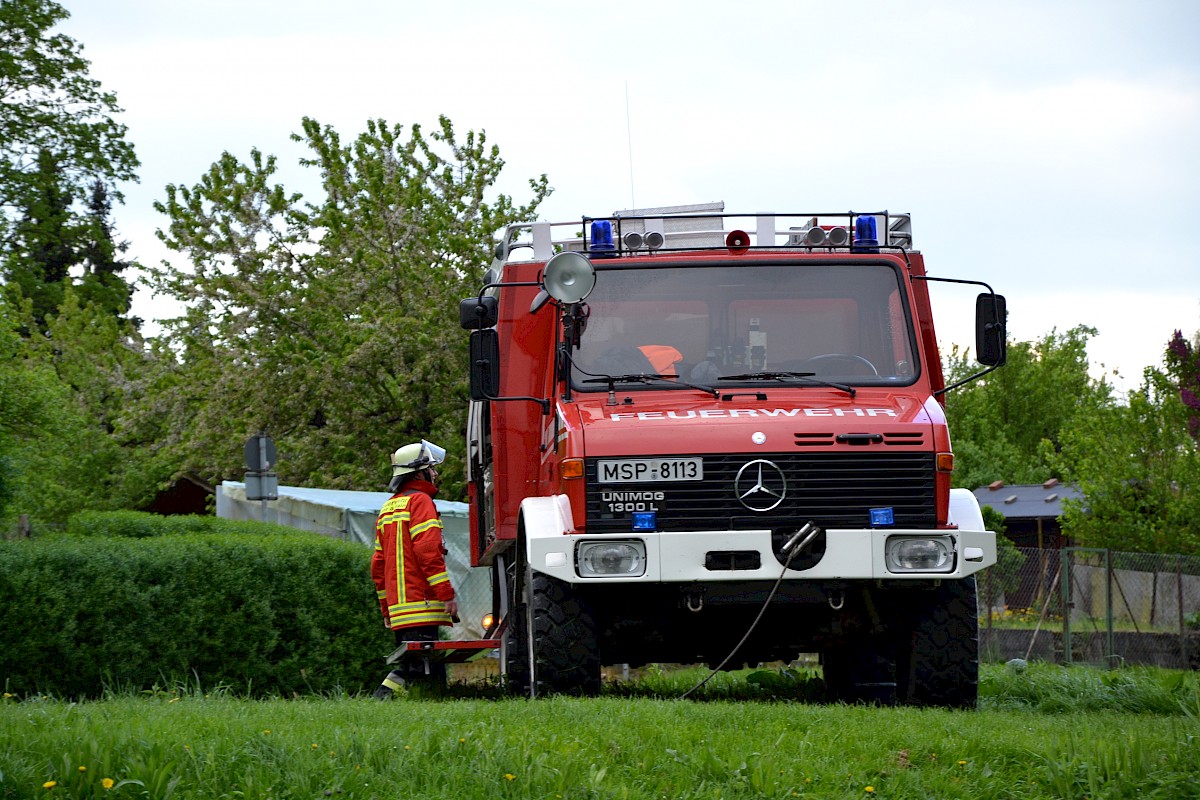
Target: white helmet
<point>413,457</point>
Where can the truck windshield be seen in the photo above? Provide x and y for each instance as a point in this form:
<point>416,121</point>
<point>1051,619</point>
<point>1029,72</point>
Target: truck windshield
<point>847,323</point>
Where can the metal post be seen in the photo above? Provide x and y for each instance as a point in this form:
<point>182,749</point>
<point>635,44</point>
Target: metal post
<point>1064,567</point>
<point>1108,599</point>
<point>262,459</point>
<point>1183,644</point>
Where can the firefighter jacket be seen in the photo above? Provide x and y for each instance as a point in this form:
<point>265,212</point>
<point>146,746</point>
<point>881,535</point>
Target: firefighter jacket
<point>409,568</point>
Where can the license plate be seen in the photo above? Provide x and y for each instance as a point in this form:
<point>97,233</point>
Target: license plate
<point>643,470</point>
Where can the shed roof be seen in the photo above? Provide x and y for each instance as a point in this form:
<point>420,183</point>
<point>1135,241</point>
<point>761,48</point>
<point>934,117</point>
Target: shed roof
<point>1027,500</point>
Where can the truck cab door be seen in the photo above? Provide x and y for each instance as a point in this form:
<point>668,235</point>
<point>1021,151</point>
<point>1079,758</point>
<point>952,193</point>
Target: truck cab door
<point>479,478</point>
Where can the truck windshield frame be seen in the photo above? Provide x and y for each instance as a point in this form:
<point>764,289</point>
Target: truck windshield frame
<point>849,322</point>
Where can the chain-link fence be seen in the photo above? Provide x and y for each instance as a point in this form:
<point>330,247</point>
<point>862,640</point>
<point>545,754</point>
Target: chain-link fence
<point>1085,605</point>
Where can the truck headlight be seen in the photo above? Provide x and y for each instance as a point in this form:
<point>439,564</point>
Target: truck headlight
<point>919,554</point>
<point>626,558</point>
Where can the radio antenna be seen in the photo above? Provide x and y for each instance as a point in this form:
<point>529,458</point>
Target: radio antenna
<point>629,141</point>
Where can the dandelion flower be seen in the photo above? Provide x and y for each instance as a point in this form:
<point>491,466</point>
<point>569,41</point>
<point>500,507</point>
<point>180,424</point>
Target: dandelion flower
<point>107,783</point>
<point>869,789</point>
<point>315,746</point>
<point>268,730</point>
<point>49,784</point>
<point>82,768</point>
<point>508,776</point>
<point>9,695</point>
<point>462,741</point>
<point>962,762</point>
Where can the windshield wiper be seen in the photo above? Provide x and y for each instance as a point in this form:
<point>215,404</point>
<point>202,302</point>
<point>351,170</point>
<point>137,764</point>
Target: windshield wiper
<point>789,376</point>
<point>643,377</point>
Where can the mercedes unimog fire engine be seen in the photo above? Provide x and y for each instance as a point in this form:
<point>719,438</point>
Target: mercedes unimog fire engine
<point>701,437</point>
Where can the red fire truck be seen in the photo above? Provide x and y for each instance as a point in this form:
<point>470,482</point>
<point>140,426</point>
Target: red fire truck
<point>703,437</point>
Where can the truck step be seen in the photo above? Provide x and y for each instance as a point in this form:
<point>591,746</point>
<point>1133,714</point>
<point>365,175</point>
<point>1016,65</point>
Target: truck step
<point>442,652</point>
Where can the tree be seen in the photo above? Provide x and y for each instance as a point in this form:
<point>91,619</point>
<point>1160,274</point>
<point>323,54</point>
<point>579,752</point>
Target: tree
<point>59,144</point>
<point>331,324</point>
<point>1139,471</point>
<point>43,242</point>
<point>1183,365</point>
<point>42,432</point>
<point>49,102</point>
<point>1010,424</point>
<point>102,284</point>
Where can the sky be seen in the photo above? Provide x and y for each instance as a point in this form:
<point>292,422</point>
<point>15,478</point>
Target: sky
<point>1050,149</point>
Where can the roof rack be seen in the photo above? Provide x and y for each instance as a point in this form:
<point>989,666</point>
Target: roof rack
<point>706,226</point>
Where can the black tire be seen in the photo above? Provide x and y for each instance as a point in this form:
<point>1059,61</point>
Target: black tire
<point>514,648</point>
<point>563,646</point>
<point>938,662</point>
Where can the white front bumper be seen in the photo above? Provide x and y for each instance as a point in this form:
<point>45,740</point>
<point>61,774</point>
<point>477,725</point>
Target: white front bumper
<point>680,556</point>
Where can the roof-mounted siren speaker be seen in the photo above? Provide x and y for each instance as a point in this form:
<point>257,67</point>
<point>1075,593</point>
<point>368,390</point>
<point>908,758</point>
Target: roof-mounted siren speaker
<point>814,236</point>
<point>738,242</point>
<point>633,240</point>
<point>569,277</point>
<point>653,239</point>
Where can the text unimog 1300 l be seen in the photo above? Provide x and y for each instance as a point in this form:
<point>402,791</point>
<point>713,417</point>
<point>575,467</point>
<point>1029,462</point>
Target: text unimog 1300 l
<point>679,428</point>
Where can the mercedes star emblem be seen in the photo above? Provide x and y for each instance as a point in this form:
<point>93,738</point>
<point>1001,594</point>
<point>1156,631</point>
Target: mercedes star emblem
<point>760,485</point>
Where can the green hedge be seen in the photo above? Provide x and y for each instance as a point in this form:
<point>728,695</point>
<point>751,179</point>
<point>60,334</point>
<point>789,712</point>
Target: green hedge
<point>140,525</point>
<point>288,613</point>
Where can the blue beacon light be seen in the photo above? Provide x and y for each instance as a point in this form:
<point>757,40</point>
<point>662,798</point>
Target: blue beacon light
<point>602,236</point>
<point>881,517</point>
<point>645,520</point>
<point>865,236</point>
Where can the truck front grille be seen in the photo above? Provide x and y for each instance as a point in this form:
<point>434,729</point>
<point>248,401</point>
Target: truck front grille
<point>834,490</point>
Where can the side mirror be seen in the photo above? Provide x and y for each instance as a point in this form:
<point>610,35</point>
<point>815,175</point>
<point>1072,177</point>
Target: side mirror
<point>476,313</point>
<point>485,364</point>
<point>991,330</point>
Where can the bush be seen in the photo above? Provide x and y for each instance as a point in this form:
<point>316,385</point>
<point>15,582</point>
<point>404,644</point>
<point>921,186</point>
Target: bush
<point>288,613</point>
<point>140,525</point>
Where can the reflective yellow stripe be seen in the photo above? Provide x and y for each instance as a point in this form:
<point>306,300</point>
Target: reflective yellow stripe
<point>417,530</point>
<point>441,577</point>
<point>381,594</point>
<point>393,685</point>
<point>431,618</point>
<point>393,516</point>
<point>421,605</point>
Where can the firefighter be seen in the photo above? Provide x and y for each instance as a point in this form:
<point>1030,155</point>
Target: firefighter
<point>409,568</point>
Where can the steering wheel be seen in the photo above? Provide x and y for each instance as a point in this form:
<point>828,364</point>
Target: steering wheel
<point>847,357</point>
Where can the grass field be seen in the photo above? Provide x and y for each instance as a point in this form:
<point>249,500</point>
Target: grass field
<point>1046,732</point>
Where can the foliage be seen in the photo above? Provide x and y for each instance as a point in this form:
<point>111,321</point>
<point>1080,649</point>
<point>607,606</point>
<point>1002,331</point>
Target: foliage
<point>141,525</point>
<point>191,741</point>
<point>1183,365</point>
<point>49,103</point>
<point>1010,424</point>
<point>280,613</point>
<point>61,158</point>
<point>53,457</point>
<point>1139,470</point>
<point>330,324</point>
<point>65,440</point>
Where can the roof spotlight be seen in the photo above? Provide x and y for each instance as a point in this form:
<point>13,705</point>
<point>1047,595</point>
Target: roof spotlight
<point>814,236</point>
<point>838,236</point>
<point>633,240</point>
<point>653,239</point>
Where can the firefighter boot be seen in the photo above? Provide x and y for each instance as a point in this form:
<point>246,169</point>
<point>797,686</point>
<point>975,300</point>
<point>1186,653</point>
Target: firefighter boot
<point>390,685</point>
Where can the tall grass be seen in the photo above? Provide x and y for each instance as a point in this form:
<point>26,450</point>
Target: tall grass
<point>183,742</point>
